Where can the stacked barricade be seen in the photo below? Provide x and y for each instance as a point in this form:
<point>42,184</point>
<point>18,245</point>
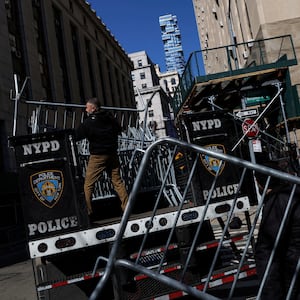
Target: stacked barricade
<point>43,116</point>
<point>196,252</point>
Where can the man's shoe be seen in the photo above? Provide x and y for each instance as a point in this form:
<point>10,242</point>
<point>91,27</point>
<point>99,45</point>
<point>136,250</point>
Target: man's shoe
<point>92,220</point>
<point>235,223</point>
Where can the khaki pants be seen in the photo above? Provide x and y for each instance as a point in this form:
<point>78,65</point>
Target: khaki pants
<point>96,165</point>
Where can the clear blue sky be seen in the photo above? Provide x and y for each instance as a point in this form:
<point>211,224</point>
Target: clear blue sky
<point>135,24</point>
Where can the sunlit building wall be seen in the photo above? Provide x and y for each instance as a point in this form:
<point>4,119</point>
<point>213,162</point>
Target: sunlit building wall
<point>227,22</point>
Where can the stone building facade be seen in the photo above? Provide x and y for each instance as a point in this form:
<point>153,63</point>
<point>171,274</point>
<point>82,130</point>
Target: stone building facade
<point>67,55</point>
<point>228,22</point>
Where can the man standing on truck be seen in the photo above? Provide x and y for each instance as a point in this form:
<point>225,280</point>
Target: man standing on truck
<point>101,129</point>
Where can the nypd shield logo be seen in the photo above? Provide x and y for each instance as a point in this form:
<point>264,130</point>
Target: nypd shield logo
<point>212,164</point>
<point>47,186</point>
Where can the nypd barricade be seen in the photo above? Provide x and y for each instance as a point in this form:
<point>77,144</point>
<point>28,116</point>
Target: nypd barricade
<point>214,131</point>
<point>52,195</point>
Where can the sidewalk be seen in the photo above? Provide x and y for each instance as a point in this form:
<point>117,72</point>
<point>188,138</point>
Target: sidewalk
<point>17,282</point>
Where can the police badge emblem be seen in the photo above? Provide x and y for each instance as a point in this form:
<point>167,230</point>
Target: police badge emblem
<point>213,165</point>
<point>47,186</point>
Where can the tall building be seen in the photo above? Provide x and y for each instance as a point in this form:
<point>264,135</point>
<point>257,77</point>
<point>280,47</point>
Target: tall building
<point>67,53</point>
<point>171,38</point>
<point>222,23</point>
<point>148,90</point>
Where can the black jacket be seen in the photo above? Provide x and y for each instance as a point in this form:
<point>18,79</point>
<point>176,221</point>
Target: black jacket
<point>102,130</point>
<point>288,250</point>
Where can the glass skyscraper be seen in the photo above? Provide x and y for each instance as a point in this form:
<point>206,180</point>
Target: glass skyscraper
<point>171,38</point>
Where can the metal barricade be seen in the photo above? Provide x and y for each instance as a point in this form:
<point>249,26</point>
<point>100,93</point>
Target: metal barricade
<point>33,117</point>
<point>226,266</point>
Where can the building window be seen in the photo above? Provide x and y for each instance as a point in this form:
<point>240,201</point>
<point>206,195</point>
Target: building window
<point>75,40</point>
<point>140,63</point>
<point>36,3</point>
<point>100,68</point>
<point>173,81</point>
<point>144,85</point>
<point>84,21</point>
<point>142,75</point>
<point>90,66</point>
<point>153,126</point>
<point>151,113</point>
<point>61,53</point>
<point>71,6</point>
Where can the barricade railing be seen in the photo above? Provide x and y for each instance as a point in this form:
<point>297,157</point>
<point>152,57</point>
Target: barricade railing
<point>226,266</point>
<point>43,116</point>
<point>36,116</point>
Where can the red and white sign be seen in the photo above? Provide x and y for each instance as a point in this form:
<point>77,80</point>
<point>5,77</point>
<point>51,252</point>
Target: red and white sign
<point>249,128</point>
<point>256,145</point>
